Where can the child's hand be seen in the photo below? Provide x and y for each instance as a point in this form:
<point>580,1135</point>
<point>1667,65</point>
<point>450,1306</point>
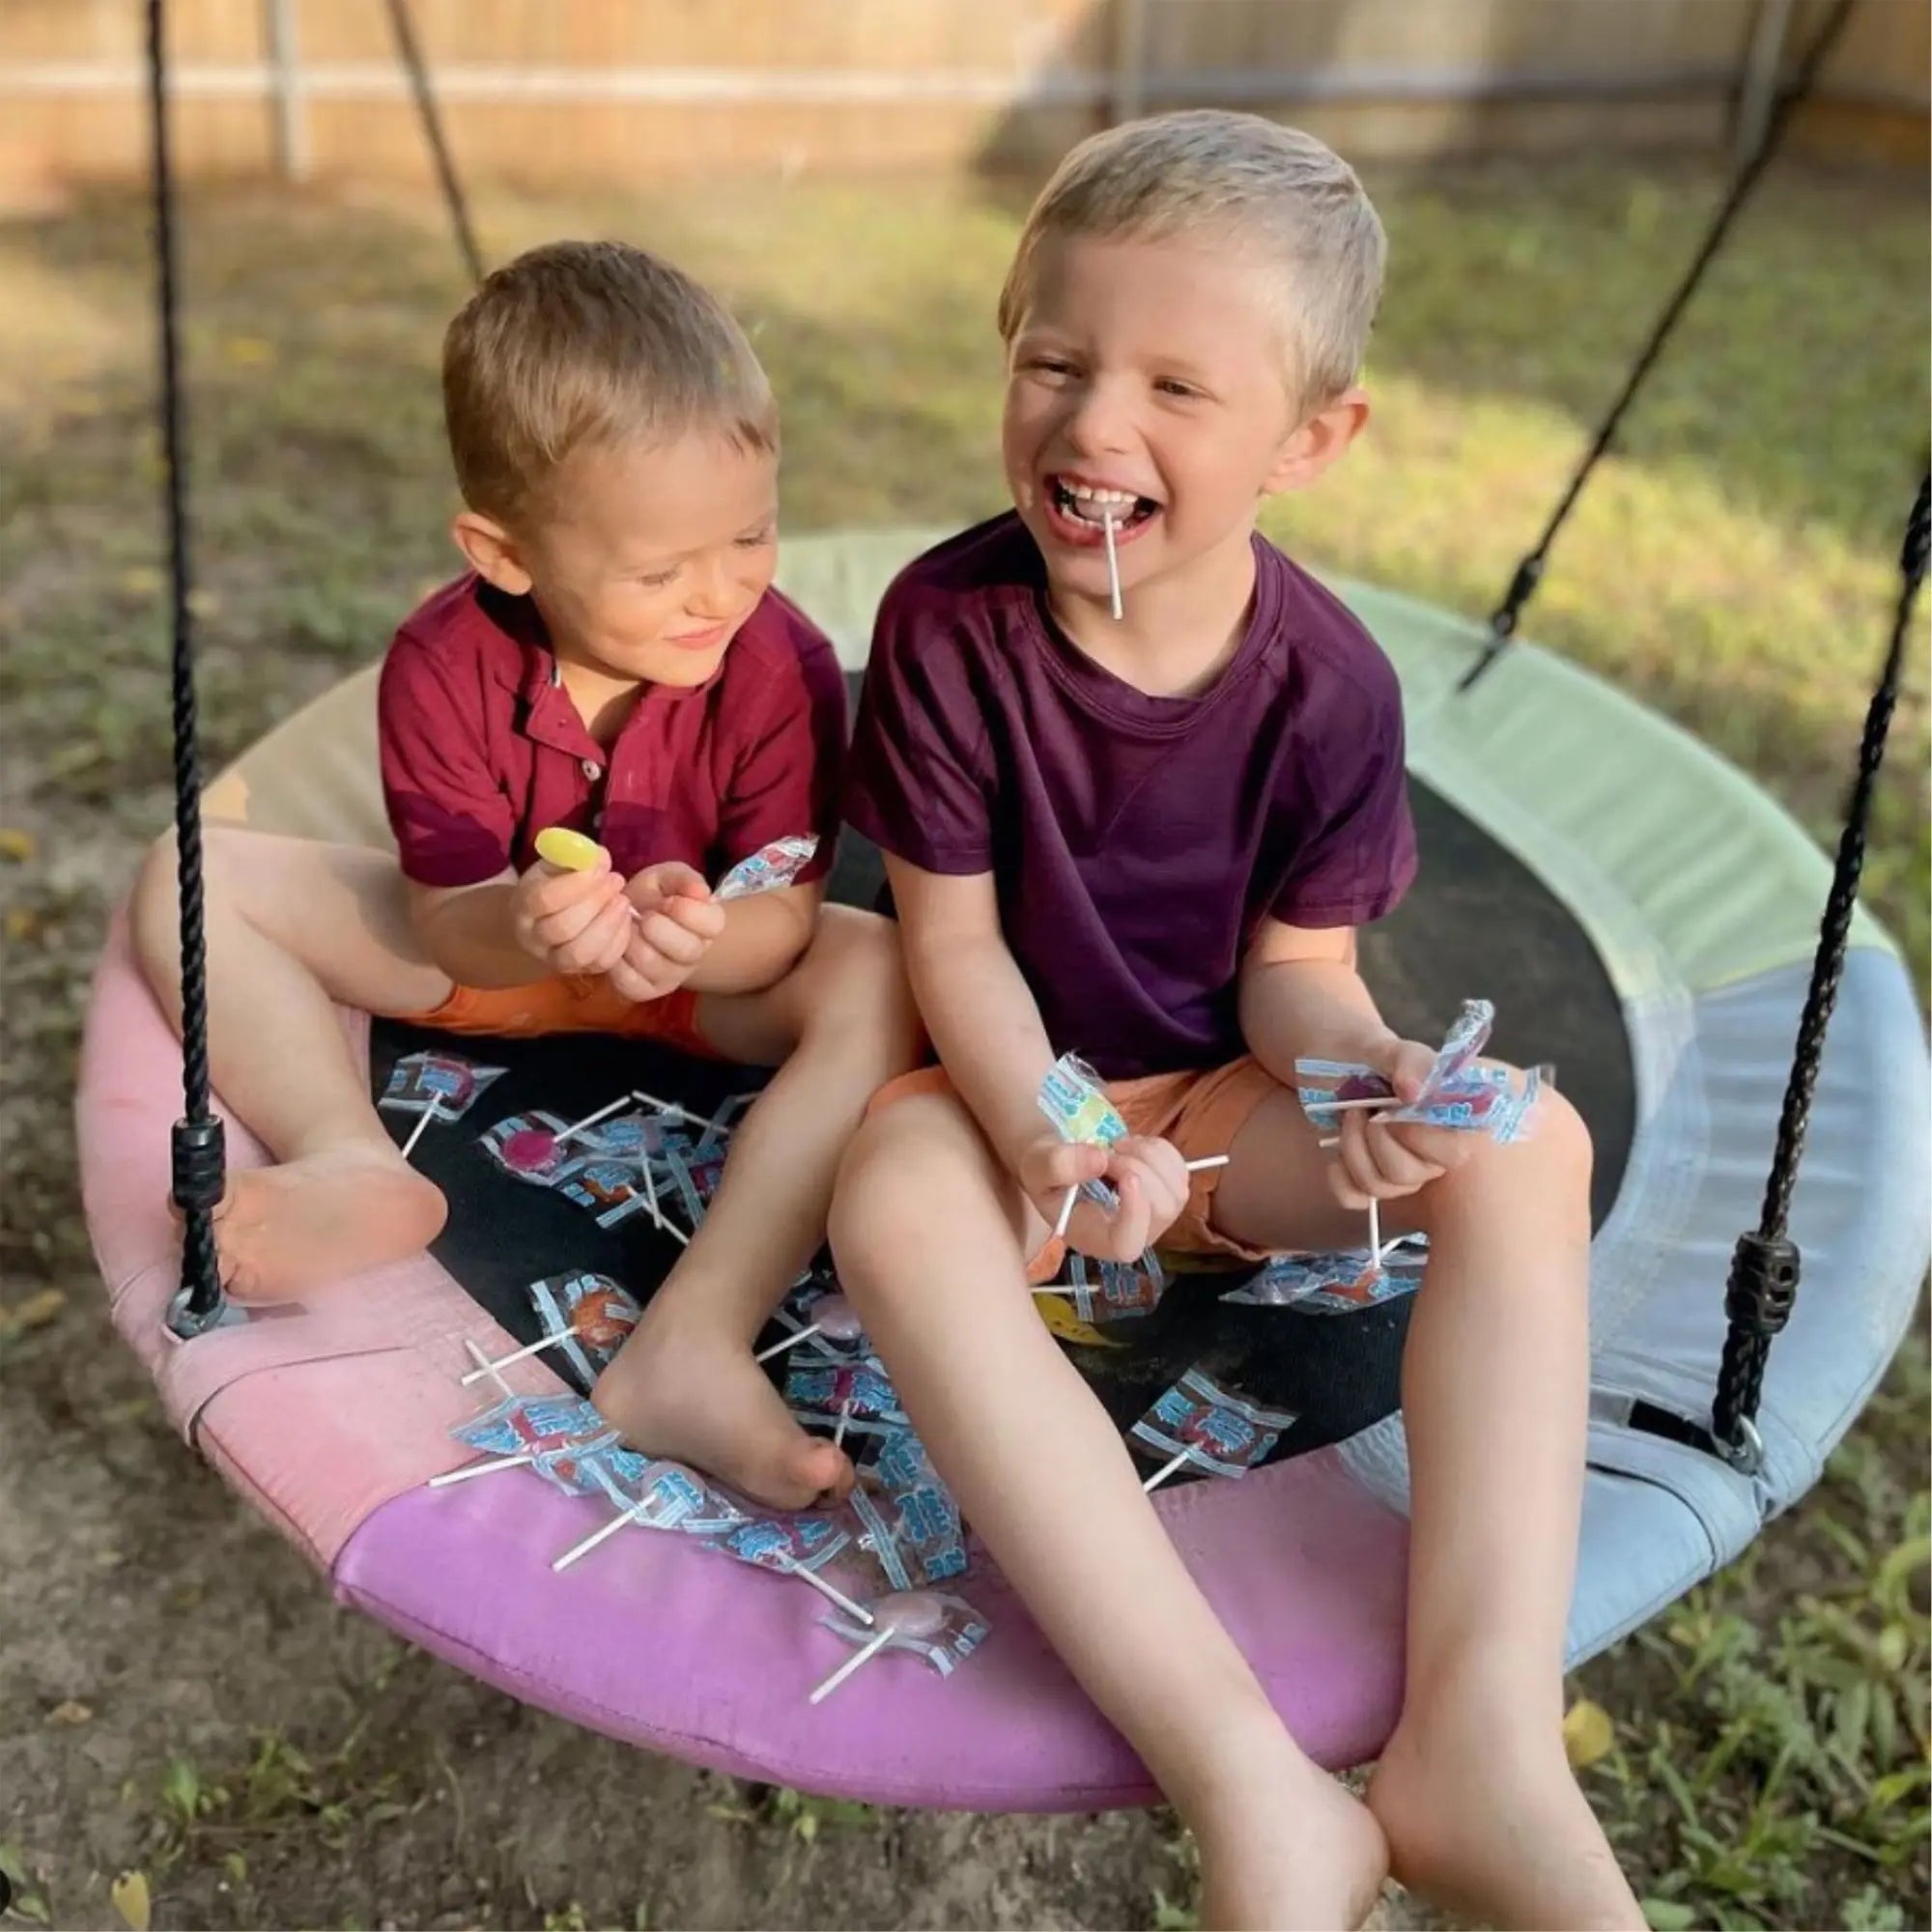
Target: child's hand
<point>573,922</point>
<point>1381,1160</point>
<point>677,919</point>
<point>1147,1175</point>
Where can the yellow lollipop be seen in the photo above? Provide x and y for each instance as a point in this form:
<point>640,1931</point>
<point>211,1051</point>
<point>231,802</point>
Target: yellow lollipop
<point>567,850</point>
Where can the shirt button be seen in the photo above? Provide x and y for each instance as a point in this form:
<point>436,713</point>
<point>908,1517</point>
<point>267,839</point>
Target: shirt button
<point>592,770</point>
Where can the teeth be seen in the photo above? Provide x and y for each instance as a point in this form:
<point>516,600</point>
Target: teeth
<point>1119,499</point>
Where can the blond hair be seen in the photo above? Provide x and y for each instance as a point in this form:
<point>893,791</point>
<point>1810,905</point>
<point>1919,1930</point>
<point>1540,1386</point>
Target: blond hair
<point>1246,179</point>
<point>585,345</point>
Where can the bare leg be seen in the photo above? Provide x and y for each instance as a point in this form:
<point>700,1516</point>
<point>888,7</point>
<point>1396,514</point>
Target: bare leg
<point>842,1023</point>
<point>996,1403</point>
<point>292,926</point>
<point>1474,1792</point>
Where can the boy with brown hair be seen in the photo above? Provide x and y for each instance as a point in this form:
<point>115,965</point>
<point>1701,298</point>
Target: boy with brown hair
<point>1138,777</point>
<point>617,661</point>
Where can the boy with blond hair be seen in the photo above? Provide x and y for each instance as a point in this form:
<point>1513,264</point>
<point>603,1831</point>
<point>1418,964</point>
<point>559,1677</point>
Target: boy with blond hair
<point>617,661</point>
<point>1147,836</point>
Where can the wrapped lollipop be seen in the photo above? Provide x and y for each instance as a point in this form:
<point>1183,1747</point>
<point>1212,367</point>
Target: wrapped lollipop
<point>613,1190</point>
<point>587,1316</point>
<point>1337,1281</point>
<point>1198,1422</point>
<point>908,1524</point>
<point>1072,1097</point>
<point>658,1495</point>
<point>445,1082</point>
<point>524,1429</point>
<point>768,868</point>
<point>1113,1291</point>
<point>526,1148</point>
<point>846,1395</point>
<point>822,1316</point>
<point>795,1545</point>
<point>942,1629</point>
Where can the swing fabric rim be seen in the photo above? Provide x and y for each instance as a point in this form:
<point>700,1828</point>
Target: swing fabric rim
<point>1699,896</point>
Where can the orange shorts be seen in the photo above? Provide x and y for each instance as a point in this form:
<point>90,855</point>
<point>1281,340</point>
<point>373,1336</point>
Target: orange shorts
<point>1200,1113</point>
<point>569,1004</point>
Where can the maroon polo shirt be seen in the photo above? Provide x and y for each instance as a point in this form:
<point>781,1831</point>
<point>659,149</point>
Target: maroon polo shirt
<point>482,747</point>
<point>1136,842</point>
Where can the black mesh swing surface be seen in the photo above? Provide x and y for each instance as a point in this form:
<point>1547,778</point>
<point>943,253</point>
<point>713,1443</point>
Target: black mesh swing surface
<point>1477,919</point>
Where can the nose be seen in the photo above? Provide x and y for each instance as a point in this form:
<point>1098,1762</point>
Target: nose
<point>713,595</point>
<point>1100,421</point>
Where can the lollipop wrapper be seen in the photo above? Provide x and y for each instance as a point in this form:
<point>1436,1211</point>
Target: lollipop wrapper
<point>1222,1433</point>
<point>962,1633</point>
<point>444,1081</point>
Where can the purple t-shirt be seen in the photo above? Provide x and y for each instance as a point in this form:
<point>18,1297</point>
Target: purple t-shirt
<point>1137,842</point>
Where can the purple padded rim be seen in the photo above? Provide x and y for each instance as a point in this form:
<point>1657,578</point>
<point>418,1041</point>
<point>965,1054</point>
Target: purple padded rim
<point>657,1641</point>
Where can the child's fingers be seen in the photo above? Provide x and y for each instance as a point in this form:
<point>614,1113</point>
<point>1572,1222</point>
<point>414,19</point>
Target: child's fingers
<point>596,896</point>
<point>1359,1163</point>
<point>637,984</point>
<point>666,937</point>
<point>598,946</point>
<point>704,919</point>
<point>1127,1229</point>
<point>1162,1185</point>
<point>1396,1161</point>
<point>546,890</point>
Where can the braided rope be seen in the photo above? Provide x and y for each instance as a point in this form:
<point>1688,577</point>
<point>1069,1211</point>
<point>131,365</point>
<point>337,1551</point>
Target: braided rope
<point>403,29</point>
<point>197,1145</point>
<point>1529,572</point>
<point>1764,1268</point>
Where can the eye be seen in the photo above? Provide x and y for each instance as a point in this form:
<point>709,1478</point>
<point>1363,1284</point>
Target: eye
<point>757,541</point>
<point>656,579</point>
<point>1171,386</point>
<point>1053,367</point>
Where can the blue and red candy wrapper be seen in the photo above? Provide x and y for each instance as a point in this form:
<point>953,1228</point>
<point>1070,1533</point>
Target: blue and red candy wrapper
<point>445,1081</point>
<point>1215,1430</point>
<point>590,1315</point>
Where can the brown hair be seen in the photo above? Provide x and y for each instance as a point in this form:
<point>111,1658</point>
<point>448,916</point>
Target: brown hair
<point>1277,192</point>
<point>586,344</point>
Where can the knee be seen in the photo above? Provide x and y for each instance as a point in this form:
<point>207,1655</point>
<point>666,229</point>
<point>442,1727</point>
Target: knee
<point>858,984</point>
<point>892,1180</point>
<point>1553,1159</point>
<point>152,906</point>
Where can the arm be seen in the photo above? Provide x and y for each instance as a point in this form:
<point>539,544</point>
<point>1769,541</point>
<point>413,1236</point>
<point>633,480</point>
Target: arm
<point>976,1005</point>
<point>985,1023</point>
<point>1302,997</point>
<point>511,931</point>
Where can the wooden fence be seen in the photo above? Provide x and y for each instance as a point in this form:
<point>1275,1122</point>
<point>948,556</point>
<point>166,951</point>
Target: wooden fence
<point>542,91</point>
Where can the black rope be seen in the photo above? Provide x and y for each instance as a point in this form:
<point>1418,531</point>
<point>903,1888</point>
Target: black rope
<point>439,146</point>
<point>197,1146</point>
<point>1529,572</point>
<point>1765,1264</point>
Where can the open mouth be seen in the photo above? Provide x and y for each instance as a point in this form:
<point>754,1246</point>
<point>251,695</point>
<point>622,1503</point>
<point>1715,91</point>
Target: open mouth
<point>1081,511</point>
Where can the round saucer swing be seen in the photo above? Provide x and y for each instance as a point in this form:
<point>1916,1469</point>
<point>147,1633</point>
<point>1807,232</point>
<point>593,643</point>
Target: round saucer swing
<point>1639,912</point>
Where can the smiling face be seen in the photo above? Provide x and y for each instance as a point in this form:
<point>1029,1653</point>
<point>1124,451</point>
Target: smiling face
<point>649,556</point>
<point>1147,386</point>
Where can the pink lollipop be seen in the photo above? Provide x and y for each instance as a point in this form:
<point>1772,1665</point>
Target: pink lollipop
<point>905,1615</point>
<point>833,1317</point>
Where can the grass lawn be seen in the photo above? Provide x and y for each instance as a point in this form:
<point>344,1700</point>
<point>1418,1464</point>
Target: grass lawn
<point>1734,564</point>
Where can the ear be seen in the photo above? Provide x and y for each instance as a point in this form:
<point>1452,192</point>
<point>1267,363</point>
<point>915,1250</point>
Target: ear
<point>492,551</point>
<point>1320,439</point>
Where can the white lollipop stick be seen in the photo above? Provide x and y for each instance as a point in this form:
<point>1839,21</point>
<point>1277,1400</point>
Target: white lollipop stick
<point>430,1113</point>
<point>1160,1475</point>
<point>790,1342</point>
<point>1066,1213</point>
<point>1376,1229</point>
<point>489,1468</point>
<point>844,1423</point>
<point>1208,1160</point>
<point>1333,1141</point>
<point>483,1362</point>
<point>1113,568</point>
<point>1362,1106</point>
<point>571,1132</point>
<point>595,1537</point>
<point>487,1367</point>
<point>863,1655</point>
<point>858,1612</point>
<point>683,1113</point>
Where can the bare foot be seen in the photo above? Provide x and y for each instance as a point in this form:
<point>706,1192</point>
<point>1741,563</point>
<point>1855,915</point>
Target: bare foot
<point>284,1231</point>
<point>1283,1845</point>
<point>692,1393</point>
<point>1496,1830</point>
